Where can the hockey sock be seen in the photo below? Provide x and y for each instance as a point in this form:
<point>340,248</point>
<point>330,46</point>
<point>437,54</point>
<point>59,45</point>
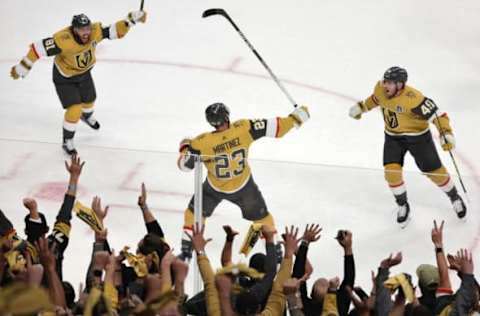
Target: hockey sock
<point>443,180</point>
<point>87,111</point>
<point>453,194</point>
<point>68,130</point>
<point>394,178</point>
<point>72,116</point>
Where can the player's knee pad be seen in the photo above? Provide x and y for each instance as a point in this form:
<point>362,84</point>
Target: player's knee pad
<point>73,113</point>
<point>393,174</point>
<point>439,176</point>
<point>188,219</point>
<point>267,220</point>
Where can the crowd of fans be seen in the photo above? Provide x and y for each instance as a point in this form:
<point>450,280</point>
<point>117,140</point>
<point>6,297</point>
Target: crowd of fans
<point>150,280</point>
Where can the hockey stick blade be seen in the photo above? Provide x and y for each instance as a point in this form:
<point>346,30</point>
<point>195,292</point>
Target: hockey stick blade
<point>211,12</point>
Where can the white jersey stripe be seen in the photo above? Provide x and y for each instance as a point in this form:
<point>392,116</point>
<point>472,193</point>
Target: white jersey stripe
<point>40,49</point>
<point>272,125</point>
<point>113,31</point>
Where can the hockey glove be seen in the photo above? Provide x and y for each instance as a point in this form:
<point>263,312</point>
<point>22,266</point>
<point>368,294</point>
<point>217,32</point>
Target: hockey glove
<point>136,16</point>
<point>184,161</point>
<point>300,115</point>
<point>356,111</point>
<point>447,142</point>
<point>21,69</point>
<point>184,144</point>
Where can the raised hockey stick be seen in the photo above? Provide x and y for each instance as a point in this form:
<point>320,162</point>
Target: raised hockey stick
<point>442,134</point>
<point>141,5</point>
<point>223,13</point>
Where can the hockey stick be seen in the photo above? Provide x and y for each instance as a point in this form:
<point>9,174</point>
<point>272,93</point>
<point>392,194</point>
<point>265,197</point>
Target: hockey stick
<point>223,13</point>
<point>141,5</point>
<point>442,134</point>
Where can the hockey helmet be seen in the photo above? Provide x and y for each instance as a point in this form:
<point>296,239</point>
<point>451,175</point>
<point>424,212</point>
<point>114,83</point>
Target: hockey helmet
<point>396,74</point>
<point>80,20</point>
<point>217,114</point>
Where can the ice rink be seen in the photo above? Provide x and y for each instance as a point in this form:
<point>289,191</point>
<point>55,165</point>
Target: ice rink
<point>153,87</point>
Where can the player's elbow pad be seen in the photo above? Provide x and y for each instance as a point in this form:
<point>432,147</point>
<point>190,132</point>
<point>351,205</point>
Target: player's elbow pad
<point>185,162</point>
<point>116,30</point>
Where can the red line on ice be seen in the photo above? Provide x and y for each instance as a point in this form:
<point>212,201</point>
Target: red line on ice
<point>476,179</point>
<point>19,162</point>
<point>154,209</point>
<point>126,184</point>
<point>228,70</point>
<point>234,64</point>
<point>129,177</point>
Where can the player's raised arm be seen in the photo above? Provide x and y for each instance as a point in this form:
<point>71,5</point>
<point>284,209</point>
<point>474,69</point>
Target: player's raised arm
<point>186,160</point>
<point>368,104</point>
<point>121,28</point>
<point>43,48</point>
<point>279,126</point>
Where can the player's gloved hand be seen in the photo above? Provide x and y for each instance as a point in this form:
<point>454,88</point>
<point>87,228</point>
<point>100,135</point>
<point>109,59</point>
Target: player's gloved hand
<point>356,111</point>
<point>447,142</point>
<point>21,69</point>
<point>137,16</point>
<point>184,144</point>
<point>300,115</point>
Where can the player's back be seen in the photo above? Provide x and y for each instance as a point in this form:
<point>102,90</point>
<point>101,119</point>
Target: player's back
<point>225,155</point>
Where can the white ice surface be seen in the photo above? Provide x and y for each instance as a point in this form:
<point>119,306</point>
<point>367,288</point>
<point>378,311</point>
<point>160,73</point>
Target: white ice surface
<point>153,87</point>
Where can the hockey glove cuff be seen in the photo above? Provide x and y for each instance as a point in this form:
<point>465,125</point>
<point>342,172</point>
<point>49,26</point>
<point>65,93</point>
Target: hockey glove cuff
<point>136,16</point>
<point>300,115</point>
<point>447,142</point>
<point>356,111</point>
<point>21,69</point>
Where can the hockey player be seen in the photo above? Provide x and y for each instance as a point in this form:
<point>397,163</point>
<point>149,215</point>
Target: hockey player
<point>74,51</point>
<point>225,155</point>
<point>407,114</point>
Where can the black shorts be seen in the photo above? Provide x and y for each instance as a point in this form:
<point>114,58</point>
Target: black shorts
<point>249,199</point>
<point>74,90</point>
<point>421,147</point>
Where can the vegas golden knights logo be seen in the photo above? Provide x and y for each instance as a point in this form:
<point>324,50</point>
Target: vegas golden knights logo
<point>390,118</point>
<point>84,59</point>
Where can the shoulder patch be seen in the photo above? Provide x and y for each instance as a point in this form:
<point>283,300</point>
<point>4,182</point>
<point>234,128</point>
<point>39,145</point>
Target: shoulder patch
<point>239,123</point>
<point>411,94</point>
<point>65,36</point>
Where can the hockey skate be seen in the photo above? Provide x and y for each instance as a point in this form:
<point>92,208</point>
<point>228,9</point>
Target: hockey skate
<point>91,121</point>
<point>68,147</point>
<point>459,207</point>
<point>403,215</point>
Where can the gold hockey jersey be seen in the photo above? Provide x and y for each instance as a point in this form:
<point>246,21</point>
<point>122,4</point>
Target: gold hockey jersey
<point>408,113</point>
<point>71,57</point>
<point>225,154</point>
